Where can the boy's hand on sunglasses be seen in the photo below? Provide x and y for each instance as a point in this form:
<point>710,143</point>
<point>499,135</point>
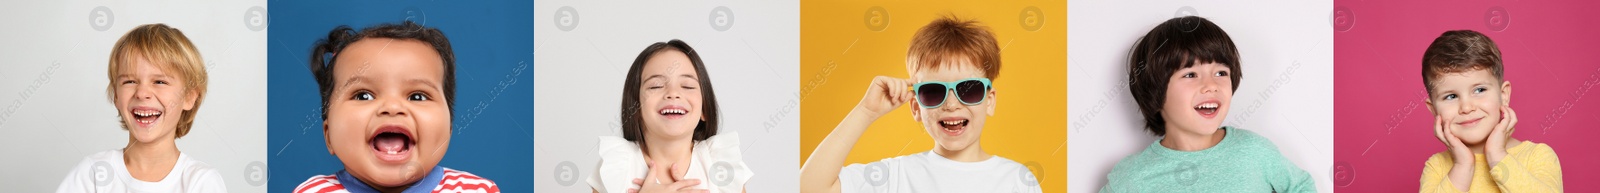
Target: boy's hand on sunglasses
<point>885,94</point>
<point>1495,146</point>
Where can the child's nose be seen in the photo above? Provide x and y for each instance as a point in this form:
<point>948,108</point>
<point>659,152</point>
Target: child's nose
<point>144,91</point>
<point>393,108</point>
<point>952,101</point>
<point>1466,105</point>
<point>1209,85</point>
<point>674,92</point>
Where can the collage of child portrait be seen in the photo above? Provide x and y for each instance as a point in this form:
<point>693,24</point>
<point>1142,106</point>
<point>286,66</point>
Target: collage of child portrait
<point>809,96</point>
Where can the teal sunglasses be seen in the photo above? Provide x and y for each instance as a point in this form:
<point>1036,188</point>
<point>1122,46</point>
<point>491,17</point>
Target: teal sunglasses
<point>971,91</point>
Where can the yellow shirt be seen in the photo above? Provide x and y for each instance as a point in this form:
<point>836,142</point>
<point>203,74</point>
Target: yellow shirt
<point>1527,167</point>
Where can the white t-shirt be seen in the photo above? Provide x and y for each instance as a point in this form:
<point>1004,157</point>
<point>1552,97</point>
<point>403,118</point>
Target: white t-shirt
<point>716,161</point>
<point>105,172</point>
<point>928,172</point>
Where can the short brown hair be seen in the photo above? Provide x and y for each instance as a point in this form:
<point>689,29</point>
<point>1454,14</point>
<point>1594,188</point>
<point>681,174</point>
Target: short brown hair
<point>169,49</point>
<point>949,38</point>
<point>1460,51</point>
<point>1175,44</point>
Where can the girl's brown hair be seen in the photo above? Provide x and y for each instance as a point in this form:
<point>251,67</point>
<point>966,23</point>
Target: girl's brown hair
<point>633,122</point>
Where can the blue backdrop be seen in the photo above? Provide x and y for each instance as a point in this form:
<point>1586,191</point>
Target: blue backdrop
<point>493,118</point>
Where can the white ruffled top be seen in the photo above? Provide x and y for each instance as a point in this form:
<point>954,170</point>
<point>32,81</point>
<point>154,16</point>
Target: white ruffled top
<point>716,161</point>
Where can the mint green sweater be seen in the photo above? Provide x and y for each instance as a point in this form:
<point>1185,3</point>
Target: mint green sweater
<point>1242,162</point>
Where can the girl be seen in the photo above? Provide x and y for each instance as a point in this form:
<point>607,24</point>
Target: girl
<point>669,137</point>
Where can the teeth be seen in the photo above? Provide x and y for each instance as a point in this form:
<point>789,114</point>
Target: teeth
<point>1207,106</point>
<point>673,111</point>
<point>147,113</point>
<point>953,122</point>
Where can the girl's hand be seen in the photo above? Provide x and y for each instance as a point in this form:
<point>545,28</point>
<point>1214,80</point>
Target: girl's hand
<point>653,181</point>
<point>1458,150</point>
<point>884,95</point>
<point>1495,146</point>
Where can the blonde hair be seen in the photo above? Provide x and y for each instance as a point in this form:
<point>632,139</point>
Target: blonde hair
<point>168,48</point>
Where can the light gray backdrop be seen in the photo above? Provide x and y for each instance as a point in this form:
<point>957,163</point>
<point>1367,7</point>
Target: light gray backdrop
<point>583,50</point>
<point>53,105</point>
<point>1286,94</point>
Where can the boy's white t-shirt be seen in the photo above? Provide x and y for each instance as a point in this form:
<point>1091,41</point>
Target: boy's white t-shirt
<point>928,173</point>
<point>105,172</point>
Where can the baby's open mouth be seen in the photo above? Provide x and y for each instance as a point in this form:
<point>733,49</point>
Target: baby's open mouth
<point>1208,109</point>
<point>954,126</point>
<point>145,116</point>
<point>392,143</point>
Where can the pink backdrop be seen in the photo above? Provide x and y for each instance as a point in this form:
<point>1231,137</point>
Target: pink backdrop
<point>1382,131</point>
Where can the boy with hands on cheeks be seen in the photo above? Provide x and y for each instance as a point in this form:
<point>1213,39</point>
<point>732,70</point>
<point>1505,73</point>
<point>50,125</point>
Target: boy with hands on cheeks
<point>1470,100</point>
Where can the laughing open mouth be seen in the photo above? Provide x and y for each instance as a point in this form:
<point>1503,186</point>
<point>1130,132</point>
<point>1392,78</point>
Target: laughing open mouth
<point>954,126</point>
<point>145,116</point>
<point>673,112</point>
<point>1208,109</point>
<point>392,143</point>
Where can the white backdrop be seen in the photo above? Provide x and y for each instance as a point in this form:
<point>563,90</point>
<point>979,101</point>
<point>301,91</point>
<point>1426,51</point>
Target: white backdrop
<point>1286,94</point>
<point>583,50</point>
<point>53,105</point>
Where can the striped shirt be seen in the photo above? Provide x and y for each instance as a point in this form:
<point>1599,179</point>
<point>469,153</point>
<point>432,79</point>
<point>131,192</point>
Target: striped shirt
<point>449,181</point>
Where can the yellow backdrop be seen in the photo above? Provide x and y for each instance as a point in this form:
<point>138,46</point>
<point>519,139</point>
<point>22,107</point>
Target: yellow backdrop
<point>844,44</point>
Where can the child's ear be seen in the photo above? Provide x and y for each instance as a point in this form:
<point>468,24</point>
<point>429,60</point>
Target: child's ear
<point>1505,93</point>
<point>916,110</point>
<point>325,140</point>
<point>992,101</point>
<point>1429,101</point>
<point>188,100</point>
